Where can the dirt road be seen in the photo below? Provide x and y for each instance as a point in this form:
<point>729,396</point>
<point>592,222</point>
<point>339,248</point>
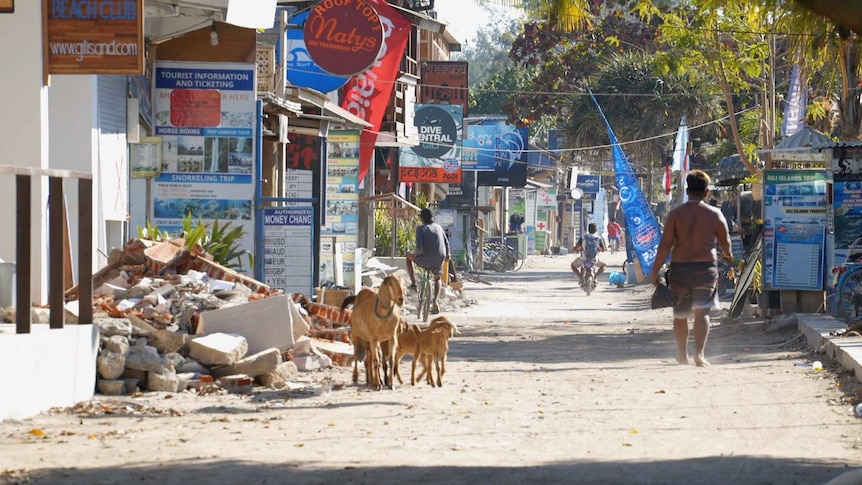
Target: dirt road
<point>544,385</point>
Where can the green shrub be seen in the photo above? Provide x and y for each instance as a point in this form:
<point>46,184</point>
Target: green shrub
<point>222,244</point>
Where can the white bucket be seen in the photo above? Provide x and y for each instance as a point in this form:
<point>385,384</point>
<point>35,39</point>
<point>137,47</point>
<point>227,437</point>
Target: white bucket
<point>7,284</point>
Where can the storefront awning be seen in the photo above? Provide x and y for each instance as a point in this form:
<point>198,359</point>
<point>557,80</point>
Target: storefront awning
<point>329,111</point>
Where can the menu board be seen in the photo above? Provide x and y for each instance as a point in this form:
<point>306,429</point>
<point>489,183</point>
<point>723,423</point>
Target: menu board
<point>797,257</point>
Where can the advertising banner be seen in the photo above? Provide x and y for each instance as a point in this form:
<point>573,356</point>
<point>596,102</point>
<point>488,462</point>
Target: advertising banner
<point>437,158</point>
<point>546,199</point>
<point>847,210</point>
<point>479,148</point>
<point>444,82</point>
<point>93,37</point>
<point>643,231</point>
<point>205,115</point>
<point>367,94</point>
<point>793,200</point>
<point>342,204</point>
<point>510,161</point>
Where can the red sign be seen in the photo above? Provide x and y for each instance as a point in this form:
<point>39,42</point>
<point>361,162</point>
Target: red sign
<point>429,175</point>
<point>366,95</point>
<point>195,107</point>
<point>444,82</point>
<point>343,37</point>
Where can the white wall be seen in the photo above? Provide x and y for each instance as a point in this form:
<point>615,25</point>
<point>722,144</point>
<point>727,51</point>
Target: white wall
<point>24,127</point>
<point>73,142</point>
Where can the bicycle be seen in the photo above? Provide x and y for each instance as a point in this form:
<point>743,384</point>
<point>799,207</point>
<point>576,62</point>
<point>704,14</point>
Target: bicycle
<point>426,287</point>
<point>848,293</point>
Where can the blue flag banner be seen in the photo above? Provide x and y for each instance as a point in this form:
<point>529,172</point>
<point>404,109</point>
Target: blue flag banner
<point>640,221</point>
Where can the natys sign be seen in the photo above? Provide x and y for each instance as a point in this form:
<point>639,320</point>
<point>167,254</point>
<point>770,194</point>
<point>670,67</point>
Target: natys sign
<point>93,36</point>
<point>343,37</point>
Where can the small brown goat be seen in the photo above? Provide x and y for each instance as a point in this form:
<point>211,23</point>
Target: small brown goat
<point>432,345</point>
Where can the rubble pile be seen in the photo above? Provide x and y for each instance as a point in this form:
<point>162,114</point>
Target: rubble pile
<point>171,319</point>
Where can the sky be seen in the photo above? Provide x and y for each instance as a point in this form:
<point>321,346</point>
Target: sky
<point>465,17</point>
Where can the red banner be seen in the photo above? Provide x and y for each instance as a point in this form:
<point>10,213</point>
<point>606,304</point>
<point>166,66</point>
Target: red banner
<point>367,94</point>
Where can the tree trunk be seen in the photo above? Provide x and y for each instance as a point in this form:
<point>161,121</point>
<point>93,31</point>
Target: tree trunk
<point>850,89</point>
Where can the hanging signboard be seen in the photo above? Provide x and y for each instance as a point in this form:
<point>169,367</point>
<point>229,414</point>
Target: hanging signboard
<point>205,115</point>
<point>437,158</point>
<point>510,156</point>
<point>343,37</point>
<point>444,82</point>
<point>93,37</point>
<point>302,70</point>
<point>479,149</point>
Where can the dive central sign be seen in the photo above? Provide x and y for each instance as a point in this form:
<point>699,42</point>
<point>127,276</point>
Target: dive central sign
<point>343,37</point>
<point>93,36</point>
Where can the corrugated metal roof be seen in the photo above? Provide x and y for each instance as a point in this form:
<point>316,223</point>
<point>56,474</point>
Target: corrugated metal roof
<point>807,137</point>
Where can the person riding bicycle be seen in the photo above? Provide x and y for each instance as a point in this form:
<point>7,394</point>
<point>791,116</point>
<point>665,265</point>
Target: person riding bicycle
<point>614,233</point>
<point>589,246</point>
<point>432,248</point>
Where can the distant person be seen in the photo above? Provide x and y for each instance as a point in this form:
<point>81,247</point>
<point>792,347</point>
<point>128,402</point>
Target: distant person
<point>690,233</point>
<point>589,246</point>
<point>432,248</point>
<point>614,233</point>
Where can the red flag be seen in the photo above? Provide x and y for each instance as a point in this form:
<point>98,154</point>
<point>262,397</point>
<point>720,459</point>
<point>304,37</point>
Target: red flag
<point>367,94</point>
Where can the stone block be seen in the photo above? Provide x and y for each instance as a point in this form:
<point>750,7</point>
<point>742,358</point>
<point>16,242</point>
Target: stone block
<point>278,378</point>
<point>252,365</point>
<point>271,322</point>
<point>167,341</point>
<point>110,387</point>
<point>131,384</point>
<point>237,384</point>
<point>143,357</point>
<point>310,362</point>
<point>117,343</point>
<point>110,365</point>
<point>218,349</point>
<point>113,326</point>
<point>166,382</point>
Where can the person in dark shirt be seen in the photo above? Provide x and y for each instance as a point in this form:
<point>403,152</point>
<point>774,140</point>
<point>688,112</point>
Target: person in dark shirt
<point>432,248</point>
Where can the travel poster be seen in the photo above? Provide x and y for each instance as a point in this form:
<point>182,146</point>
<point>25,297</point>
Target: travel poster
<point>205,115</point>
<point>341,205</point>
<point>847,210</point>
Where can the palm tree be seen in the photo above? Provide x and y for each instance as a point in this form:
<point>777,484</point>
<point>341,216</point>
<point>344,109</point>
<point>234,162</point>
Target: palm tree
<point>564,14</point>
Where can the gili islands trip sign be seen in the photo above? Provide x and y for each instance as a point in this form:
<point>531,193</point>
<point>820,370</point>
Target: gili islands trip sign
<point>343,37</point>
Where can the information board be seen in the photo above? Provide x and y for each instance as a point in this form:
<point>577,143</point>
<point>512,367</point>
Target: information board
<point>287,248</point>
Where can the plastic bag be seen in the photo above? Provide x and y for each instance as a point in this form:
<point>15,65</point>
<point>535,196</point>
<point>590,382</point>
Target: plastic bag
<point>662,297</point>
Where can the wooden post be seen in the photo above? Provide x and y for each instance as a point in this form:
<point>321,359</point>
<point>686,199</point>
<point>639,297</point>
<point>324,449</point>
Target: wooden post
<point>23,297</point>
<point>56,252</point>
<point>85,251</point>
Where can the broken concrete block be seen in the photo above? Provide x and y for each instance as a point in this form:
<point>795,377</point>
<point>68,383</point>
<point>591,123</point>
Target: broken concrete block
<point>40,315</point>
<point>163,382</point>
<point>143,357</point>
<point>278,378</point>
<point>110,365</point>
<point>117,343</point>
<point>165,255</point>
<point>110,387</point>
<point>167,341</point>
<point>310,362</point>
<point>140,326</point>
<point>253,365</point>
<point>218,349</point>
<point>271,322</point>
<point>113,326</point>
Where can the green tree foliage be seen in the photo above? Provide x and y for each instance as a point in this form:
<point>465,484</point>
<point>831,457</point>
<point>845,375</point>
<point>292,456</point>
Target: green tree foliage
<point>219,241</point>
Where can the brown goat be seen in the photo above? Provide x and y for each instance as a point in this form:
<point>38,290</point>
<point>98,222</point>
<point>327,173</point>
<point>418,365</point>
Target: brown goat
<point>375,319</point>
<point>432,345</point>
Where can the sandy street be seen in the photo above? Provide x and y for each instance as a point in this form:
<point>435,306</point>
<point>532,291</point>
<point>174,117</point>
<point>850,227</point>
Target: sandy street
<point>545,385</point>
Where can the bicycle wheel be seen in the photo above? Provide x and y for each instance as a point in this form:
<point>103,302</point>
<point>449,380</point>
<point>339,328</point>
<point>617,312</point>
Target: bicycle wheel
<point>425,299</point>
<point>519,261</point>
<point>848,295</point>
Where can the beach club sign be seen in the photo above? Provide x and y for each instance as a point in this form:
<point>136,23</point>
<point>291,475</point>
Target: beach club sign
<point>93,36</point>
<point>343,37</point>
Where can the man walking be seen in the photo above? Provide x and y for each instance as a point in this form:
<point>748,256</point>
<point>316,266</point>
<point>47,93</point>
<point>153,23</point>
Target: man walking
<point>691,231</point>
